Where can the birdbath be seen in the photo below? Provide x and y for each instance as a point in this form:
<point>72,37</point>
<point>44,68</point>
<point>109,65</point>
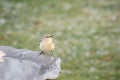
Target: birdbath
<point>22,64</point>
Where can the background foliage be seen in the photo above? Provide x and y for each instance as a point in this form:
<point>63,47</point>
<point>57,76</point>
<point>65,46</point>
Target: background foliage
<point>87,33</point>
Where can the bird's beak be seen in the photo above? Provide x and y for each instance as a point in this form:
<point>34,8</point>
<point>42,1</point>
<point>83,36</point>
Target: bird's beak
<point>51,35</point>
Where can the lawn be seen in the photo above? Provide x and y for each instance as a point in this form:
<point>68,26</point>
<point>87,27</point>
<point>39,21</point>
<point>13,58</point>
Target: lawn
<point>86,33</point>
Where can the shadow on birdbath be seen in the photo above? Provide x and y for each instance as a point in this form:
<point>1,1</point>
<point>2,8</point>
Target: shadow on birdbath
<point>21,64</point>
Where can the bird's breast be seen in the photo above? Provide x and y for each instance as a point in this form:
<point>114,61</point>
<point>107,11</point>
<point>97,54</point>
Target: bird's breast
<point>47,46</point>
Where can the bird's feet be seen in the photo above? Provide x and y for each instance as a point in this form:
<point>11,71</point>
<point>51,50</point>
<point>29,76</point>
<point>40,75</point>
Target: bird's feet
<point>41,53</point>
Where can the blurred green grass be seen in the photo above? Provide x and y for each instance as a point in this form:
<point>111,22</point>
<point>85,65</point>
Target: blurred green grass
<point>87,33</point>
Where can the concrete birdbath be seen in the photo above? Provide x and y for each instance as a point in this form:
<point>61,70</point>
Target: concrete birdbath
<point>21,64</point>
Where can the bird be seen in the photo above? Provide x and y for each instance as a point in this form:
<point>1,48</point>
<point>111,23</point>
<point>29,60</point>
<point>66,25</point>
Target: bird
<point>47,44</point>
